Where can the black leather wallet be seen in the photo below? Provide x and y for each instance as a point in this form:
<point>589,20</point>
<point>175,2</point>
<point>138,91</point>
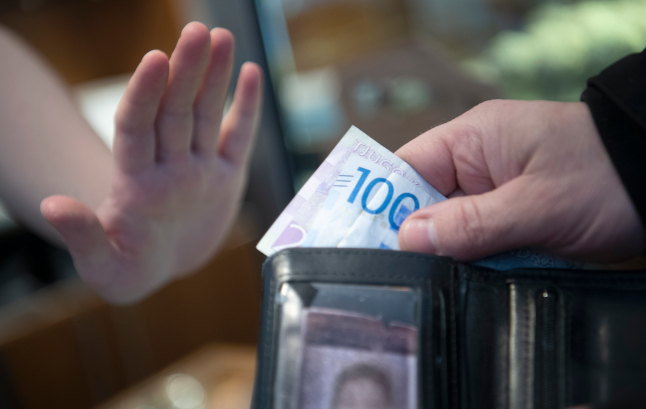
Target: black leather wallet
<point>343,326</point>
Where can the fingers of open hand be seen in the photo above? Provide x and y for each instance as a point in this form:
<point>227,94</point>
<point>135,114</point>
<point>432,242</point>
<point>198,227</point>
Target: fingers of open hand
<point>241,122</point>
<point>172,106</point>
<point>212,95</point>
<point>188,64</point>
<point>134,143</point>
<point>471,227</point>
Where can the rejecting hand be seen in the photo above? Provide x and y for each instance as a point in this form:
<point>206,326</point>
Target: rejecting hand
<point>180,169</point>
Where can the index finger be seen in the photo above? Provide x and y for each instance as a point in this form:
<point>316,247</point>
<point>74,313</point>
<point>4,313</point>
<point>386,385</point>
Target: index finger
<point>452,156</point>
<point>241,122</point>
<point>134,139</point>
<point>431,156</point>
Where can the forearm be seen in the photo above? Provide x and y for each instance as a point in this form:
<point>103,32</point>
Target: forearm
<point>46,147</point>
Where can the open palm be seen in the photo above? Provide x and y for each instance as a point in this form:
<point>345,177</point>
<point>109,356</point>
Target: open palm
<point>179,170</point>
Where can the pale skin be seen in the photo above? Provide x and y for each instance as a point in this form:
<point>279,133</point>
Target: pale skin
<point>521,174</point>
<point>161,205</point>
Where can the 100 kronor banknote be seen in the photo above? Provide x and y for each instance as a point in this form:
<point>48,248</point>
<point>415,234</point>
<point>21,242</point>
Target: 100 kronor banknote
<point>359,198</point>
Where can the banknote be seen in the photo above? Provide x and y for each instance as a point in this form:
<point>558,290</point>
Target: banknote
<point>359,197</point>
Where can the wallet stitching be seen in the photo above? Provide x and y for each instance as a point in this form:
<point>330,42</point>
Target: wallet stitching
<point>454,358</point>
<point>269,343</point>
<point>563,276</point>
<point>332,273</point>
<point>395,254</point>
<point>426,374</point>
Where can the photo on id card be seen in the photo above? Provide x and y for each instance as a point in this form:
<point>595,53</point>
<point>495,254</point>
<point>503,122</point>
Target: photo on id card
<point>348,347</point>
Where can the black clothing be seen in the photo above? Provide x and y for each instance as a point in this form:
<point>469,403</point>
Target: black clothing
<point>617,99</point>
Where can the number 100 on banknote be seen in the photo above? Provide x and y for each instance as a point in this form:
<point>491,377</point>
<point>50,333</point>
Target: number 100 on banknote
<point>358,197</point>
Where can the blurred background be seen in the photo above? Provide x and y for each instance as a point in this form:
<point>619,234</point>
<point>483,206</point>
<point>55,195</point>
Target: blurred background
<point>393,68</point>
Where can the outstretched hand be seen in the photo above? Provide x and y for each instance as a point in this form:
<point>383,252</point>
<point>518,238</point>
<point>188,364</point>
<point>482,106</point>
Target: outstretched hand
<point>521,174</point>
<point>179,170</point>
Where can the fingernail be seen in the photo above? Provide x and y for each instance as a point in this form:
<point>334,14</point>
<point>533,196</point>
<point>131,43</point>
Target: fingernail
<point>420,235</point>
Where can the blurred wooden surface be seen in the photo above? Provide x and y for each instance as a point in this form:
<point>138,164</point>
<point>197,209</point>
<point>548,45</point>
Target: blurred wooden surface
<point>332,32</point>
<point>66,348</point>
<point>85,40</point>
<point>225,373</point>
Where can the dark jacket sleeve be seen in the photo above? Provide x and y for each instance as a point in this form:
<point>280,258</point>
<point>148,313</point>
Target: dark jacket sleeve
<point>617,99</point>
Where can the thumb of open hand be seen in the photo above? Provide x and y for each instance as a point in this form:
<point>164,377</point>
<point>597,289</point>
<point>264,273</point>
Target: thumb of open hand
<point>81,231</point>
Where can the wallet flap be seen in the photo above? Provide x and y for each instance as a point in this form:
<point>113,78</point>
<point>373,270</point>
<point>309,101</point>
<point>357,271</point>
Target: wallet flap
<point>362,267</point>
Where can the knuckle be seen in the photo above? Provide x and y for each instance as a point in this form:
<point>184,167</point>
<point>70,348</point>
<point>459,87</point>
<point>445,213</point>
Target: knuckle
<point>491,105</point>
<point>473,125</point>
<point>488,114</point>
<point>466,134</point>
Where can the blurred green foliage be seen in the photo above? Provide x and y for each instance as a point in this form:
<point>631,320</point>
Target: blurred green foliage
<point>560,47</point>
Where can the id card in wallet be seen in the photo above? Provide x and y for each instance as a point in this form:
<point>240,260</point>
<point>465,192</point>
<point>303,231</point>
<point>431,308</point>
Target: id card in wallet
<point>345,346</point>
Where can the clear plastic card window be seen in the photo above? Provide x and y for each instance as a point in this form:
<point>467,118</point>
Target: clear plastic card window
<point>347,347</point>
